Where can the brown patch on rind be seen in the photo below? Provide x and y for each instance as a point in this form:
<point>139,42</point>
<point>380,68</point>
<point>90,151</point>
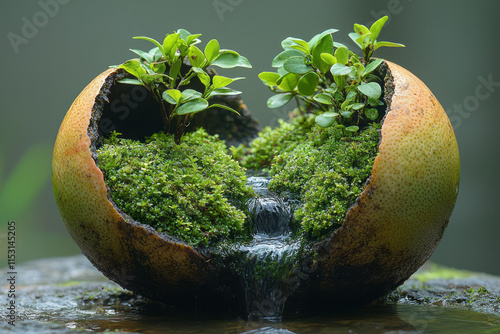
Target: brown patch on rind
<point>131,254</point>
<point>400,217</point>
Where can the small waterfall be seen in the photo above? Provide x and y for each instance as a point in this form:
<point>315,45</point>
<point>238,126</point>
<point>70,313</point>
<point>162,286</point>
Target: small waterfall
<point>268,260</point>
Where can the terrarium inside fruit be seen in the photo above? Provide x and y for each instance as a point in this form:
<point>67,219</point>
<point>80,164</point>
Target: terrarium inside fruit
<point>163,181</point>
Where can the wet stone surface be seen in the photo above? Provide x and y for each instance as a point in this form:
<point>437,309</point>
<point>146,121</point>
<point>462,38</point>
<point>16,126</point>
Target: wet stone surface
<point>68,295</point>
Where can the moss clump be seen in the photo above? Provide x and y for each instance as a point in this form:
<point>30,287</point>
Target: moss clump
<point>272,141</point>
<point>325,174</point>
<point>192,191</point>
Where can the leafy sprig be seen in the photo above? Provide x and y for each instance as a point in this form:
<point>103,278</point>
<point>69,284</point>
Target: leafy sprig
<point>168,69</point>
<point>330,79</point>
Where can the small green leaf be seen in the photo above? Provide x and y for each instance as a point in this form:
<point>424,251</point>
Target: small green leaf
<point>172,96</point>
<point>279,100</point>
<point>189,94</point>
<point>323,98</point>
<point>224,91</point>
<point>355,38</point>
<point>314,41</point>
<point>389,44</point>
<point>357,106</point>
<point>329,58</point>
<point>308,83</point>
<point>339,69</point>
<point>222,106</point>
<point>170,42</point>
<point>269,78</point>
<point>183,33</point>
<point>154,41</point>
<point>361,29</point>
<point>220,81</point>
<point>342,55</point>
<point>372,66</point>
<point>324,46</point>
<point>131,82</point>
<point>134,67</point>
<point>230,60</point>
<point>212,50</point>
<point>196,57</point>
<point>280,58</point>
<point>371,89</point>
<point>288,82</point>
<point>202,75</point>
<point>326,119</point>
<point>193,39</point>
<point>302,43</point>
<point>352,128</point>
<point>371,113</point>
<point>144,55</point>
<point>297,65</point>
<point>377,26</point>
<point>346,113</point>
<point>175,69</point>
<point>192,106</point>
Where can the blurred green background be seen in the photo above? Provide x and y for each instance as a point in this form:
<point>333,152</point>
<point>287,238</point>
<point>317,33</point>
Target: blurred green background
<point>51,49</point>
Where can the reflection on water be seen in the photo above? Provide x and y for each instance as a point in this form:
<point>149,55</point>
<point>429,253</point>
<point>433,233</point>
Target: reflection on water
<point>388,319</point>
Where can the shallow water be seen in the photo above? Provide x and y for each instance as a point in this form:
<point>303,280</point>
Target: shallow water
<point>388,319</point>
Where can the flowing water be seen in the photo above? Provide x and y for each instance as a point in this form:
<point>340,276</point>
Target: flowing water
<point>268,260</point>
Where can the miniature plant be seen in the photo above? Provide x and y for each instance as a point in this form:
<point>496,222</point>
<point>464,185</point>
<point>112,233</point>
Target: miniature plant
<point>330,79</point>
<point>163,71</point>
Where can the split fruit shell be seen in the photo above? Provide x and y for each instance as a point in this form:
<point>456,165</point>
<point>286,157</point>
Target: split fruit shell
<point>389,232</point>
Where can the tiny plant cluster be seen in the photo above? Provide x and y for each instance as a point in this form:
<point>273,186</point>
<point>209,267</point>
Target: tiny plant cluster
<point>330,79</point>
<point>163,71</point>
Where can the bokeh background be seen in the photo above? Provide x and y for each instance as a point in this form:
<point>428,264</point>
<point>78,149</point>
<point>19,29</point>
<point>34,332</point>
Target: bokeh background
<point>51,49</point>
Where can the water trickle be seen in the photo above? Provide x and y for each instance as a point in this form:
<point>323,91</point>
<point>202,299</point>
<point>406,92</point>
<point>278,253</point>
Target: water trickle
<point>266,262</point>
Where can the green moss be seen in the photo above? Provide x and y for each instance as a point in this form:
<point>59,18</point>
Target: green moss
<point>193,191</point>
<point>441,272</point>
<point>325,174</point>
<point>273,141</point>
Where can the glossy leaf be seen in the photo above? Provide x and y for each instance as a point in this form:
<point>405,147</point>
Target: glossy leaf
<point>308,83</point>
<point>288,82</point>
<point>280,58</point>
<point>154,41</point>
<point>372,66</point>
<point>195,56</point>
<point>220,81</point>
<point>314,41</point>
<point>361,30</point>
<point>175,69</point>
<point>342,55</point>
<point>279,100</point>
<point>130,81</point>
<point>189,94</point>
<point>230,60</point>
<point>377,26</point>
<point>172,96</point>
<point>355,38</point>
<point>352,128</point>
<point>371,113</point>
<point>134,67</point>
<point>326,119</point>
<point>324,46</point>
<point>328,58</point>
<point>224,91</point>
<point>389,44</point>
<point>169,42</point>
<point>212,50</point>
<point>296,65</point>
<point>371,89</point>
<point>222,106</point>
<point>323,98</point>
<point>193,39</point>
<point>202,75</point>
<point>339,69</point>
<point>144,55</point>
<point>192,106</point>
<point>269,78</point>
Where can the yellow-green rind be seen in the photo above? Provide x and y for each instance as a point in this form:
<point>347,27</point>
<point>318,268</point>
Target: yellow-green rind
<point>132,254</point>
<point>400,217</point>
